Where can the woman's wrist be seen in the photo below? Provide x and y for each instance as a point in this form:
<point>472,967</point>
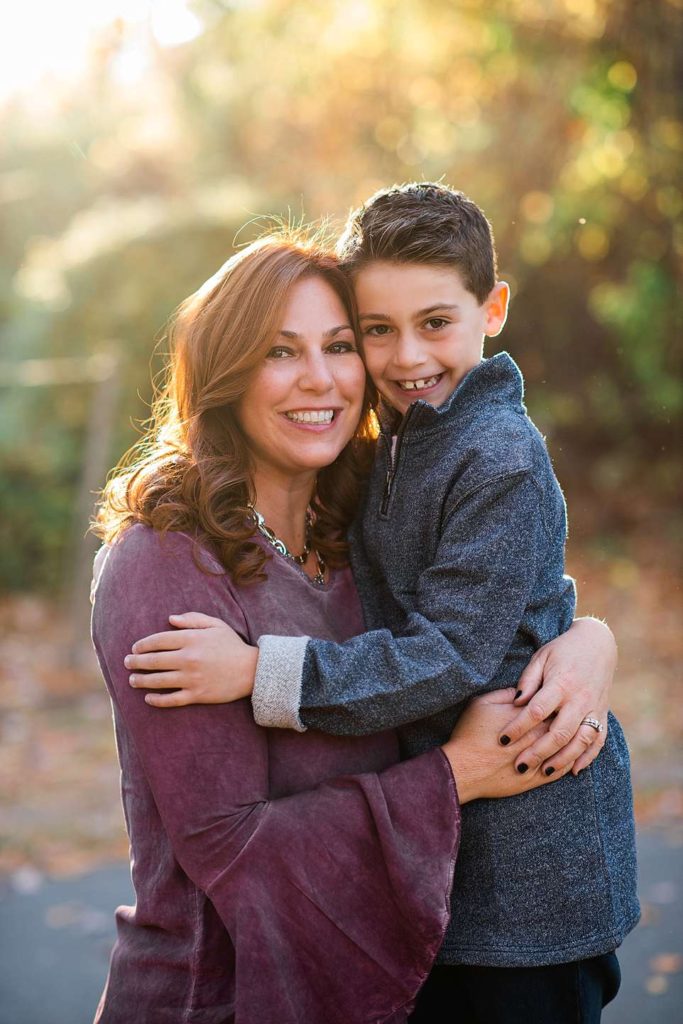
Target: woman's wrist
<point>599,633</point>
<point>463,780</point>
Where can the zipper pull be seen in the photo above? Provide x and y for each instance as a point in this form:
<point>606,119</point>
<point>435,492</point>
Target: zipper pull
<point>387,492</point>
<point>389,478</point>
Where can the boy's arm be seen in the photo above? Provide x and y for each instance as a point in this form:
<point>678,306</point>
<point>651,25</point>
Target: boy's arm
<point>468,606</point>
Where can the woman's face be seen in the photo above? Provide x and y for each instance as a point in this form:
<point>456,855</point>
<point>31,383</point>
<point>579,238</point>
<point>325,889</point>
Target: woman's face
<point>304,403</point>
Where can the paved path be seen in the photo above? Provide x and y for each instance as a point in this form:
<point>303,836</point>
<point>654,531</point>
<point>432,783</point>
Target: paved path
<point>55,938</point>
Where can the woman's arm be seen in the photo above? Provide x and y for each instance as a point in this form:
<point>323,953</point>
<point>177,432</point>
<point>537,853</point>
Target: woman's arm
<point>344,889</point>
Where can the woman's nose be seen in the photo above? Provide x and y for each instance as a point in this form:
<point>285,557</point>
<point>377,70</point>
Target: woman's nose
<point>316,374</point>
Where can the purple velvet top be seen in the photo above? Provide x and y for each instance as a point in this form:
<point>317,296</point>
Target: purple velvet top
<point>280,877</point>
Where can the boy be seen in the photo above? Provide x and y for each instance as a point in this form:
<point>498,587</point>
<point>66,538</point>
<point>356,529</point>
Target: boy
<point>458,556</point>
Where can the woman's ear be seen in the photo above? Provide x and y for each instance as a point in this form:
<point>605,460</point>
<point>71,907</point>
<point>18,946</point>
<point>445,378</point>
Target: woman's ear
<point>497,309</point>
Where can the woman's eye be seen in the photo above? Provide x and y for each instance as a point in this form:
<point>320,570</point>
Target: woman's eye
<point>435,323</point>
<point>339,347</point>
<point>377,330</point>
<point>279,352</point>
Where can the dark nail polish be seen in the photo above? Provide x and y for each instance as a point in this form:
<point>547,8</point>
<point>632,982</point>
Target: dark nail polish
<point>550,771</point>
<point>505,740</point>
<point>518,694</point>
<point>521,768</point>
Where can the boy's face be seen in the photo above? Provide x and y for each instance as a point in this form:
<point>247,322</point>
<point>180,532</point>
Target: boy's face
<point>422,329</point>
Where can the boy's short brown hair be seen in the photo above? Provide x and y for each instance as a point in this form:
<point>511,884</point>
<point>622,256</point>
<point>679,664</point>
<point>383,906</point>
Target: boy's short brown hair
<point>422,222</point>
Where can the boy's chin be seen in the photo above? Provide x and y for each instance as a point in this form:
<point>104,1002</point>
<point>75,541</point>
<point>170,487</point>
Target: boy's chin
<point>400,405</point>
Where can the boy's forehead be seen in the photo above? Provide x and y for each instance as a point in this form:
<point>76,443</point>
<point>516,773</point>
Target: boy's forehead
<point>406,284</point>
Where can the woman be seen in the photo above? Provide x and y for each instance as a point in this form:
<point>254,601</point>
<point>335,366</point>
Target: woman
<point>279,876</point>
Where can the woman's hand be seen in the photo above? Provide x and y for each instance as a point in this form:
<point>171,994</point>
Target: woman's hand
<point>203,660</point>
<point>481,766</point>
<point>565,682</point>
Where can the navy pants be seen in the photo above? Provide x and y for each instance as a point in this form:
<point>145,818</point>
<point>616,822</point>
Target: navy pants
<point>572,993</point>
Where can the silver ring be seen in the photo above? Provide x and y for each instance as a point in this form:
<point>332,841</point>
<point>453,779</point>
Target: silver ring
<point>594,724</point>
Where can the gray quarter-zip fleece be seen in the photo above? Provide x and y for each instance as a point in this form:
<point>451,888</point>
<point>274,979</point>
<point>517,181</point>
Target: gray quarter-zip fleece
<point>458,554</point>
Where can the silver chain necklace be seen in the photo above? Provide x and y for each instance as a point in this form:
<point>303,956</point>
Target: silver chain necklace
<point>282,548</point>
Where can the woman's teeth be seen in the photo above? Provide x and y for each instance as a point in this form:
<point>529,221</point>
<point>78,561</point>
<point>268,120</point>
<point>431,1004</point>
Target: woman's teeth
<point>314,416</point>
<point>418,385</point>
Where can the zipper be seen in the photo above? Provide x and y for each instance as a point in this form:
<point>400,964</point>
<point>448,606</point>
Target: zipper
<point>393,447</point>
<point>389,478</point>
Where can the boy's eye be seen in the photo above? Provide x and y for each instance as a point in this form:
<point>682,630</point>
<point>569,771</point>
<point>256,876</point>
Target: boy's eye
<point>435,323</point>
<point>377,330</point>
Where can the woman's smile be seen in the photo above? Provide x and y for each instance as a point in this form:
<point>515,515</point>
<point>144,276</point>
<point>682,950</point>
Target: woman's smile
<point>311,417</point>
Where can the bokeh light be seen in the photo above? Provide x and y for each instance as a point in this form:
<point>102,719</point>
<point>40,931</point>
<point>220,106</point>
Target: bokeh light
<point>42,42</point>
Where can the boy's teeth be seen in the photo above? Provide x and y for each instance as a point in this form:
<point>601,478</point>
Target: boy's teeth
<point>418,385</point>
<point>314,416</point>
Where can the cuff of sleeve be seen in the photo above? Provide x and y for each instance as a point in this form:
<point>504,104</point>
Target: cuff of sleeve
<point>449,768</point>
<point>277,685</point>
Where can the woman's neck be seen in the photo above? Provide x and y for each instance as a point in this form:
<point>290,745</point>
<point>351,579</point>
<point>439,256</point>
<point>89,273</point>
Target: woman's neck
<point>283,502</point>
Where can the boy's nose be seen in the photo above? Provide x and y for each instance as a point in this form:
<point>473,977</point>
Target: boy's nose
<point>409,351</point>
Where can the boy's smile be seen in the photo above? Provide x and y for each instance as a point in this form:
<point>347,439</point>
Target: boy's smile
<point>423,330</point>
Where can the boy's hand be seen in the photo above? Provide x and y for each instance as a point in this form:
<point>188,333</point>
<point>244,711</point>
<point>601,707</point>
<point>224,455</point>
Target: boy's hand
<point>567,681</point>
<point>203,660</point>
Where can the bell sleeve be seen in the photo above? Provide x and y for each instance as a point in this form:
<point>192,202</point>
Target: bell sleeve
<point>336,898</point>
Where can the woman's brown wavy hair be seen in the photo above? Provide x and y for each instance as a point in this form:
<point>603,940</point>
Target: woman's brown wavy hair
<point>191,470</point>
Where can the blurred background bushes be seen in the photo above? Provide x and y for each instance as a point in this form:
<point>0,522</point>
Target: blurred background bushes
<point>120,192</point>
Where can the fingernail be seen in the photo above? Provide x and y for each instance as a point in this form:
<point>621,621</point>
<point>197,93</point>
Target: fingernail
<point>505,740</point>
<point>550,771</point>
<point>518,694</point>
<point>132,681</point>
<point>521,768</point>
<point>127,660</point>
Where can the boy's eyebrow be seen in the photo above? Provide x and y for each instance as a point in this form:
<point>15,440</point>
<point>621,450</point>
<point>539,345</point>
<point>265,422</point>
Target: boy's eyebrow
<point>420,312</point>
<point>292,335</point>
<point>438,305</point>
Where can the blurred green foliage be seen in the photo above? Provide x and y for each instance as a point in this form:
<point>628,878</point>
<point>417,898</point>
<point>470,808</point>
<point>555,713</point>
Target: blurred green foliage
<point>562,118</point>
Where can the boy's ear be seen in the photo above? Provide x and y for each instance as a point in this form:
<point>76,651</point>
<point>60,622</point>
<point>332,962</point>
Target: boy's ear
<point>497,309</point>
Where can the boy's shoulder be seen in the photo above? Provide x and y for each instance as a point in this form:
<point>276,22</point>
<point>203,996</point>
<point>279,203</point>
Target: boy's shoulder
<point>485,420</point>
<point>498,439</point>
<point>497,447</point>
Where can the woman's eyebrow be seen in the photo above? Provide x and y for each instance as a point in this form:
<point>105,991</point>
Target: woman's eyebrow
<point>336,330</point>
<point>293,336</point>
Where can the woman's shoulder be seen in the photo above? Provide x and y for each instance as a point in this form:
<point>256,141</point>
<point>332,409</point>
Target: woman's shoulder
<point>140,550</point>
<point>140,541</point>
